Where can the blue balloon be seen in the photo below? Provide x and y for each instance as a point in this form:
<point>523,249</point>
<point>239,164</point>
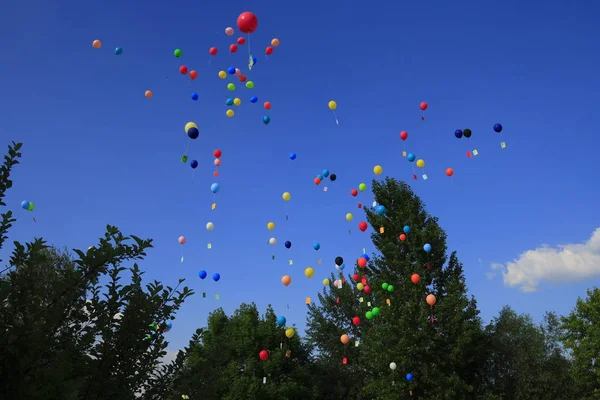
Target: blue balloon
<point>253,99</point>
<point>458,133</point>
<point>381,210</point>
<point>231,70</point>
<point>410,157</point>
<point>406,229</point>
<point>254,60</point>
<point>342,267</point>
<point>216,277</point>
<point>266,119</point>
<point>409,377</point>
<point>287,244</point>
<point>229,101</point>
<point>498,128</point>
<point>293,156</point>
<point>25,205</point>
<point>281,320</point>
<point>194,96</point>
<point>427,247</point>
<point>194,164</point>
<point>316,246</point>
<point>118,51</point>
<point>202,274</point>
<point>169,327</point>
<point>193,133</point>
<point>320,176</point>
<point>366,257</point>
<point>325,173</point>
<point>215,187</point>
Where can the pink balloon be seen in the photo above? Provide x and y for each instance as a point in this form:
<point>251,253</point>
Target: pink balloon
<point>238,72</point>
<point>182,240</point>
<point>229,31</point>
<point>217,162</point>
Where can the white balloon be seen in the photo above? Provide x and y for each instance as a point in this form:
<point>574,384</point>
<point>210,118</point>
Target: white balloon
<point>210,226</point>
<point>393,366</point>
<point>272,241</point>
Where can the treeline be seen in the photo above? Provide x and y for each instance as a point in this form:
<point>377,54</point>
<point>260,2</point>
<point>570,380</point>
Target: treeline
<point>395,325</point>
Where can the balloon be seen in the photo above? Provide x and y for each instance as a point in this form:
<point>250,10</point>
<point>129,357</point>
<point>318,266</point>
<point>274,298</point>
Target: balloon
<point>202,274</point>
<point>367,289</point>
<point>458,133</point>
<point>375,311</point>
<point>193,133</point>
<point>263,355</point>
<point>27,205</point>
<point>366,257</point>
<point>286,280</point>
<point>362,226</point>
<point>216,277</point>
<point>215,187</point>
<point>231,70</point>
<point>287,244</point>
<point>449,171</point>
<point>148,94</point>
<point>362,187</point>
<point>193,74</point>
<point>253,99</point>
<point>97,44</point>
<point>230,113</point>
<point>320,177</point>
<point>362,262</point>
<point>274,42</point>
<point>467,132</point>
<point>381,210</point>
<point>281,320</point>
<point>332,177</point>
<point>326,282</point>
<point>377,170</point>
<point>339,260</point>
<point>430,299</point>
<point>229,101</point>
<point>393,366</point>
<point>217,153</point>
<point>344,339</point>
<point>168,327</point>
<point>222,74</point>
<point>316,246</point>
<point>325,173</point>
<point>423,106</point>
<point>427,247</point>
<point>269,50</point>
<point>254,60</point>
<point>332,105</point>
<point>271,226</point>
<point>309,272</point>
<point>290,332</point>
<point>356,321</point>
<point>355,277</point>
<point>233,48</point>
<point>189,126</point>
<point>194,96</point>
<point>241,41</point>
<point>415,278</point>
<point>183,70</point>
<point>497,128</point>
<point>369,315</point>
<point>238,72</point>
<point>194,164</point>
<point>182,240</point>
<point>247,22</point>
<point>272,241</point>
<point>409,377</point>
<point>420,163</point>
<point>266,119</point>
<point>229,31</point>
<point>349,217</point>
<point>267,105</point>
<point>250,85</point>
<point>210,226</point>
<point>230,87</point>
<point>403,135</point>
<point>410,157</point>
<point>213,51</point>
<point>242,78</point>
<point>390,288</point>
<point>118,51</point>
<point>354,192</point>
<point>286,196</point>
<point>406,229</point>
<point>384,286</point>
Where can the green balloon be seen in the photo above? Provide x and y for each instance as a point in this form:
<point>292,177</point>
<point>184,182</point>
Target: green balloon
<point>375,311</point>
<point>250,85</point>
<point>390,288</point>
<point>384,286</point>
<point>177,53</point>
<point>231,86</point>
<point>369,315</point>
<point>362,187</point>
<point>31,206</point>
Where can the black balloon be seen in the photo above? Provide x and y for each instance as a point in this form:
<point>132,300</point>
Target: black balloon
<point>467,133</point>
<point>339,261</point>
<point>332,177</point>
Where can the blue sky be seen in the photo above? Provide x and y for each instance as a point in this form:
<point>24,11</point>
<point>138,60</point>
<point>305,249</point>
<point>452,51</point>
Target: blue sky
<point>98,152</point>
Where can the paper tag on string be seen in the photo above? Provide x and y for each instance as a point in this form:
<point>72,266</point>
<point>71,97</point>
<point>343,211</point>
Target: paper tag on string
<point>209,245</point>
<point>214,205</point>
<point>357,343</point>
<point>424,177</point>
<point>307,300</point>
<point>339,286</point>
<point>184,158</point>
<point>381,230</point>
<point>288,353</point>
<point>281,345</point>
<point>319,261</point>
<point>503,145</point>
<point>345,360</point>
<point>403,154</point>
<point>291,262</point>
<point>217,296</point>
<point>273,257</point>
<point>415,177</point>
<point>181,258</point>
<point>475,152</point>
<point>364,250</point>
<point>388,302</point>
<point>337,300</point>
<point>360,300</point>
<point>325,189</point>
<point>368,304</point>
<point>264,379</point>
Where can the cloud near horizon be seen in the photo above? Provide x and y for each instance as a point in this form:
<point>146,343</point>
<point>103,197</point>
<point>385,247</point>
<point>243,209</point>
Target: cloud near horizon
<point>565,263</point>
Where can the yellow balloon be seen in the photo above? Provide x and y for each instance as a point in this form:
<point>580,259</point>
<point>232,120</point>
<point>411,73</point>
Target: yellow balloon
<point>286,196</point>
<point>377,170</point>
<point>360,286</point>
<point>222,74</point>
<point>230,113</point>
<point>326,282</point>
<point>290,332</point>
<point>332,105</point>
<point>349,217</point>
<point>189,126</point>
<point>420,163</point>
<point>309,272</point>
<point>271,226</point>
<point>237,101</point>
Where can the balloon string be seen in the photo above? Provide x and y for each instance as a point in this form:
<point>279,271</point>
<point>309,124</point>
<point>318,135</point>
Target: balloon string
<point>249,50</point>
<point>336,120</point>
<point>187,147</point>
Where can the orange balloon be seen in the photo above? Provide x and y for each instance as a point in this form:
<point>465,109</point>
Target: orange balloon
<point>148,94</point>
<point>286,280</point>
<point>415,278</point>
<point>345,338</point>
<point>275,42</point>
<point>317,181</point>
<point>449,171</point>
<point>431,300</point>
<point>267,105</point>
<point>216,173</point>
<point>362,262</point>
<point>193,74</point>
<point>97,44</point>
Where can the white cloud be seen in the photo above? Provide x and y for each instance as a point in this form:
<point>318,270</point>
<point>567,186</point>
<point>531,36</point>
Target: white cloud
<point>565,263</point>
<point>170,356</point>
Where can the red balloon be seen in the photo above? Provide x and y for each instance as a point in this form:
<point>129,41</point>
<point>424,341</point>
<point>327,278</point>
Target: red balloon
<point>364,280</point>
<point>356,321</point>
<point>354,192</point>
<point>355,277</point>
<point>217,154</point>
<point>193,74</point>
<point>403,135</point>
<point>269,50</point>
<point>247,22</point>
<point>423,106</point>
<point>362,262</point>
<point>267,105</point>
<point>241,41</point>
<point>213,51</point>
<point>449,171</point>
<point>183,70</point>
<point>367,289</point>
<point>415,278</point>
<point>362,226</point>
<point>242,78</point>
<point>233,48</point>
<point>317,181</point>
<point>402,237</point>
<point>263,355</point>
<point>428,266</point>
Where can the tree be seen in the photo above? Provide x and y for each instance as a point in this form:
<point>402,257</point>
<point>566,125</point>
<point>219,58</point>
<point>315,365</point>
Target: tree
<point>64,335</point>
<point>439,345</point>
<point>223,360</point>
<point>582,338</point>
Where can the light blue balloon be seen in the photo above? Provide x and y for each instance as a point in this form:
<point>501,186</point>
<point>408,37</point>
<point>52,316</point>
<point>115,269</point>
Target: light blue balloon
<point>316,246</point>
<point>342,267</point>
<point>406,229</point>
<point>215,187</point>
<point>281,320</point>
<point>411,157</point>
<point>427,247</point>
<point>325,173</point>
<point>320,176</point>
<point>25,205</point>
<point>229,101</point>
<point>381,210</point>
<point>118,51</point>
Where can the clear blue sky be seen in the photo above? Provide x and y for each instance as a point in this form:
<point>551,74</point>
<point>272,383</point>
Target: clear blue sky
<point>98,152</point>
